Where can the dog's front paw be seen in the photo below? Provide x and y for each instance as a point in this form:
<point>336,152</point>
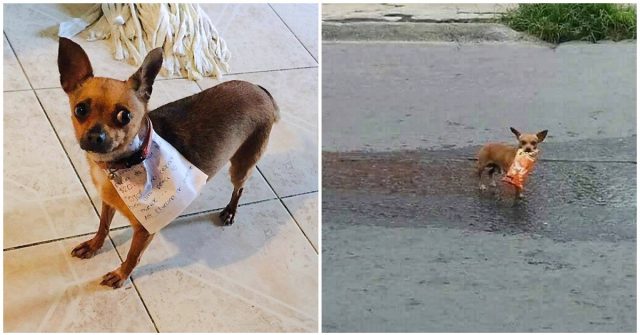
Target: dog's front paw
<point>227,216</point>
<point>86,249</point>
<point>114,279</point>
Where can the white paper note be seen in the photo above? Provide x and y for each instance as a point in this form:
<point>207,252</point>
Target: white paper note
<point>161,187</point>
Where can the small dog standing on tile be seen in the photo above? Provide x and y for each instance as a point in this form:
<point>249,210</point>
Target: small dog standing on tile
<point>229,122</point>
<point>498,157</point>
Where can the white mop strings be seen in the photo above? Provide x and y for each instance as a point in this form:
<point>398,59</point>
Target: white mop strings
<point>191,44</point>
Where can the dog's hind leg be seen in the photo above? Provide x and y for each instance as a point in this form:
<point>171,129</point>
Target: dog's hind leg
<point>242,164</point>
<point>492,170</point>
<point>479,171</point>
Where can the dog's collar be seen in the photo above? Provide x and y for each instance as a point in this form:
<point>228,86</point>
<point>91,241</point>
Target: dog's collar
<point>134,159</point>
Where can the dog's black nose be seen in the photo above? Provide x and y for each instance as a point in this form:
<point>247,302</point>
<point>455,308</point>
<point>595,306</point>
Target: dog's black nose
<point>95,140</point>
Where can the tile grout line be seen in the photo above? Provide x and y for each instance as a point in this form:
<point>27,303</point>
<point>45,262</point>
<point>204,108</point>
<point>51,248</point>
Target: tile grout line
<point>19,62</point>
<point>73,166</point>
<point>207,211</point>
<point>274,70</point>
<point>169,79</point>
<point>239,73</point>
<point>298,194</point>
<point>46,242</point>
<point>22,90</point>
<point>287,209</point>
<point>299,227</point>
<point>75,170</point>
<point>199,87</point>
<point>291,30</point>
<point>24,73</point>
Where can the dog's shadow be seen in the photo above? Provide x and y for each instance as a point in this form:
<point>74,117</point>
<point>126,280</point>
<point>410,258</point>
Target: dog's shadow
<point>69,11</point>
<point>499,207</point>
<point>202,239</point>
<point>502,210</point>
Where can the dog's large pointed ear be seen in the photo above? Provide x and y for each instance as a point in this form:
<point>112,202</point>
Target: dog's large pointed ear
<point>73,64</point>
<point>515,131</point>
<point>142,80</point>
<point>541,135</point>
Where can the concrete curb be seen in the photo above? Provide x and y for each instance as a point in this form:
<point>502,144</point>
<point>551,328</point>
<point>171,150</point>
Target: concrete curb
<point>421,32</point>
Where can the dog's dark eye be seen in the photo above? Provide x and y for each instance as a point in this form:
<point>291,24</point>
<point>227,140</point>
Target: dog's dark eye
<point>123,117</point>
<point>533,143</point>
<point>523,142</point>
<point>82,110</point>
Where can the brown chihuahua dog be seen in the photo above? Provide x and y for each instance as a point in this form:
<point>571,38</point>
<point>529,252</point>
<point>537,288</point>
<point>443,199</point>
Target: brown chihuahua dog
<point>498,157</point>
<point>229,122</point>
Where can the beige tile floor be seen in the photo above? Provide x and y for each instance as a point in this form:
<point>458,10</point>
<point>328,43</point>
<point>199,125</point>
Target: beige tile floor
<point>258,275</point>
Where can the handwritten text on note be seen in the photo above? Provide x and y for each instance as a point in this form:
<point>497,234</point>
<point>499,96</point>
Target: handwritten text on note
<point>161,187</point>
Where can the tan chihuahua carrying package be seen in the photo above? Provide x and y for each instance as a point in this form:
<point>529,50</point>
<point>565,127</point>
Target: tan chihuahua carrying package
<point>521,167</point>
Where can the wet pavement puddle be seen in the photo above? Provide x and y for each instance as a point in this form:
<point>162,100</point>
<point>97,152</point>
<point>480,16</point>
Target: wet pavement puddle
<point>564,200</point>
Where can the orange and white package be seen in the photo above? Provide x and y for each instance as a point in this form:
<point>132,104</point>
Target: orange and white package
<point>520,168</point>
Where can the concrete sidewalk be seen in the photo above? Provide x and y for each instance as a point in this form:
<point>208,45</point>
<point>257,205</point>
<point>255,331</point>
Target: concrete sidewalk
<point>418,22</point>
<point>413,12</point>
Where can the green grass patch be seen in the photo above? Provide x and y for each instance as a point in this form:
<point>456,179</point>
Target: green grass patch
<point>557,23</point>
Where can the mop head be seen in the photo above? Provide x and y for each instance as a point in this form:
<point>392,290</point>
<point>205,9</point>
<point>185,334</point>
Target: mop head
<point>191,44</point>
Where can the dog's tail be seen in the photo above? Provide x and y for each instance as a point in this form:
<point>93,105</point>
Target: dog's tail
<point>273,101</point>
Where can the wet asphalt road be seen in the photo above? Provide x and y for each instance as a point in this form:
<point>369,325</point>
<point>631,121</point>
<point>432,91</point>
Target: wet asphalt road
<point>411,244</point>
<point>390,96</point>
